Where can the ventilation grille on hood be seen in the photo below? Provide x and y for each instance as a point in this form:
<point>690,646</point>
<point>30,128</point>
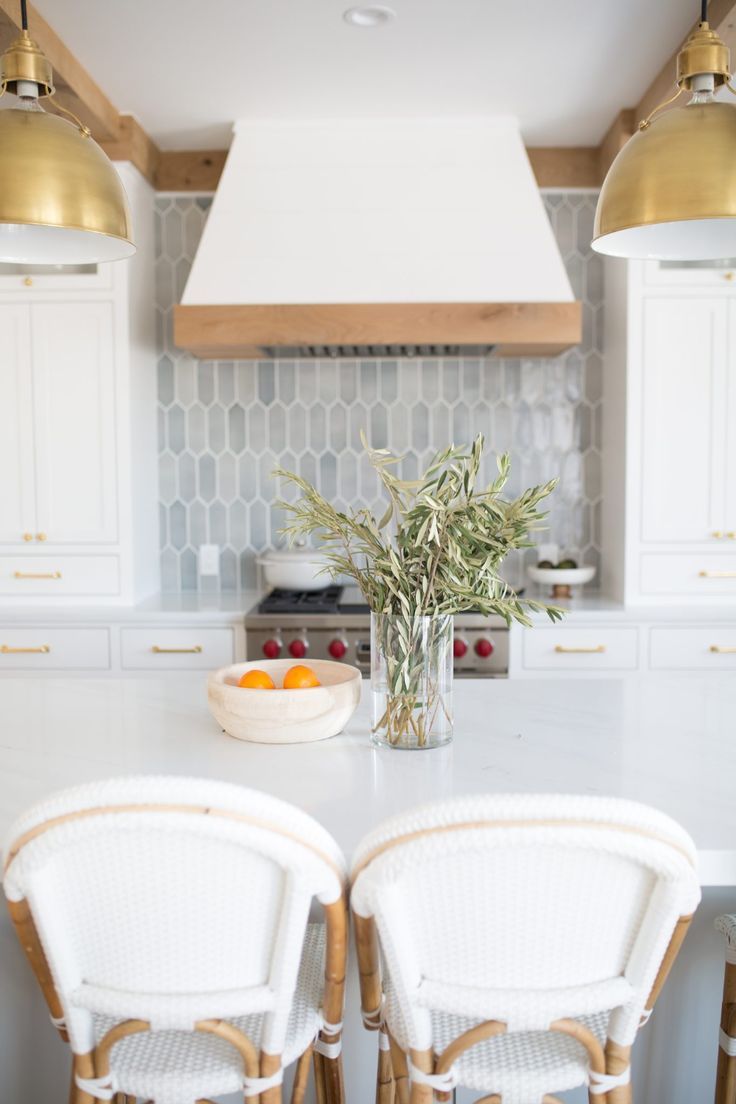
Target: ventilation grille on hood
<point>310,352</point>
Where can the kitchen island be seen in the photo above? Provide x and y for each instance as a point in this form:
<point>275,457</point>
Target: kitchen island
<point>666,741</point>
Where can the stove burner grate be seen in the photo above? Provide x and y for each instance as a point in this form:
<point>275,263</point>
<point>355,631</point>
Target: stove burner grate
<point>302,601</point>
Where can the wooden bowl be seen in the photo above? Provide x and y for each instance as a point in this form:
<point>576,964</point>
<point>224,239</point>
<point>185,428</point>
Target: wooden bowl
<point>284,716</point>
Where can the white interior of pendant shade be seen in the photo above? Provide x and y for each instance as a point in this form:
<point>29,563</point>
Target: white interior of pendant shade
<point>689,240</point>
<point>23,243</point>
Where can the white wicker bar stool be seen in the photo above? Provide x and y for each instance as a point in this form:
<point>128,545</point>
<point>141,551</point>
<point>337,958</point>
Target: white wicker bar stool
<point>726,1074</point>
<point>167,923</point>
<point>523,941</point>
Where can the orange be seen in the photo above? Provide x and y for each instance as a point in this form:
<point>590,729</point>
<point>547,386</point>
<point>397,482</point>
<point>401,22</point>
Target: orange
<point>257,680</point>
<point>300,678</point>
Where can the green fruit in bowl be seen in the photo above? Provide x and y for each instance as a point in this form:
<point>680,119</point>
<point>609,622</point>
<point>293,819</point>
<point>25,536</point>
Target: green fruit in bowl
<point>567,565</point>
<point>545,564</point>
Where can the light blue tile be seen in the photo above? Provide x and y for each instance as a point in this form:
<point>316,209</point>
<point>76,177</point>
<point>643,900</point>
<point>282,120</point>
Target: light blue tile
<point>207,477</point>
<point>328,475</point>
<point>379,426</point>
<point>266,382</point>
<point>176,430</point>
<point>197,524</point>
<point>388,379</point>
<point>348,477</point>
<point>166,477</point>
<point>338,432</point>
<point>470,380</point>
<point>592,475</point>
<point>226,382</point>
<point>245,380</point>
<point>247,477</point>
<point>161,428</point>
<point>248,571</point>
<point>236,428</point>
<point>368,381</point>
<point>297,428</point>
<point>328,375</point>
<point>593,377</point>
<point>187,477</point>
<point>277,440</point>
<point>165,380</point>
<point>512,380</point>
<point>173,240</point>
<point>170,581</point>
<point>307,382</point>
<point>408,381</point>
<point>217,518</point>
<point>196,428</point>
<point>188,569</point>
<point>419,439</point>
<point>440,433</point>
<point>206,382</point>
<point>317,428</point>
<point>450,380</point>
<point>164,278</point>
<point>491,379</point>
<point>178,524</point>
<point>461,424</point>
<point>430,380</point>
<point>182,269</point>
<point>308,467</point>
<point>238,524</point>
<point>185,380</point>
<point>256,439</point>
<point>259,527</point>
<point>358,420</point>
<point>286,381</point>
<point>216,429</point>
<point>348,381</point>
<point>228,570</point>
<point>227,477</point>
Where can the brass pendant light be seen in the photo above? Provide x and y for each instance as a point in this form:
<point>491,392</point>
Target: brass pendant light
<point>61,200</point>
<point>671,192</point>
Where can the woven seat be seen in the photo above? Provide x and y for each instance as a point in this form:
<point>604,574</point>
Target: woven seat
<point>523,939</point>
<point>172,914</point>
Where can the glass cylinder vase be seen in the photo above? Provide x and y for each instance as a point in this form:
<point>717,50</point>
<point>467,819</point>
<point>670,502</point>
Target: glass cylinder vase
<point>411,680</point>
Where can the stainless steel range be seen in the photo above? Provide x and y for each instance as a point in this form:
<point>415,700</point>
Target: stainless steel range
<point>334,623</point>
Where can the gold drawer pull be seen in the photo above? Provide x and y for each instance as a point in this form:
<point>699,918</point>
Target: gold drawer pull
<point>717,534</point>
<point>597,650</point>
<point>176,651</point>
<point>721,649</point>
<point>42,649</point>
<point>37,575</point>
<point>717,574</point>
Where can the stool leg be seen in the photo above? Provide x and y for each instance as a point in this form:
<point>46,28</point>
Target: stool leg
<point>424,1061</point>
<point>384,1075</point>
<point>301,1077</point>
<point>400,1072</point>
<point>726,1075</point>
<point>618,1058</point>
<point>84,1065</point>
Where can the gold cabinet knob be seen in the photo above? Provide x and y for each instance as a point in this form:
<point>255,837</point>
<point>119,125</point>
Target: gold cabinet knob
<point>41,536</point>
<point>717,534</point>
<point>28,282</point>
<point>728,275</point>
<point>28,536</point>
<point>731,535</point>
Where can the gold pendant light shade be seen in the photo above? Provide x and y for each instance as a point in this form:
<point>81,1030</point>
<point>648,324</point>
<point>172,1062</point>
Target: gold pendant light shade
<point>671,192</point>
<point>61,200</point>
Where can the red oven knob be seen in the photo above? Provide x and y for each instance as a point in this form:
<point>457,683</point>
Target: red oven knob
<point>272,649</point>
<point>298,648</point>
<point>337,648</point>
<point>483,647</point>
<point>459,647</point>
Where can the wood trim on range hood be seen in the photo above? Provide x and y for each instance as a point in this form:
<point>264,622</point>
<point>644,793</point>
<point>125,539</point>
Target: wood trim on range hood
<point>232,331</point>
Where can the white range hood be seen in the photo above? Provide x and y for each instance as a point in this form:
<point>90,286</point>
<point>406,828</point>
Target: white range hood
<point>368,236</point>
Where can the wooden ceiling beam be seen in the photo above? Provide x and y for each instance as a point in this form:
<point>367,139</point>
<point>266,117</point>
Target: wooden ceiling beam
<point>565,166</point>
<point>190,170</point>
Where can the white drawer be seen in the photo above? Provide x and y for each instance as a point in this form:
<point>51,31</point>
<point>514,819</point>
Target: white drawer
<point>592,648</point>
<point>683,649</point>
<point>185,648</point>
<point>58,576</point>
<point>36,648</point>
<point>700,575</point>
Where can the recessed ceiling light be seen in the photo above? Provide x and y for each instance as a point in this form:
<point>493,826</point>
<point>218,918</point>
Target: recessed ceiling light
<point>368,17</point>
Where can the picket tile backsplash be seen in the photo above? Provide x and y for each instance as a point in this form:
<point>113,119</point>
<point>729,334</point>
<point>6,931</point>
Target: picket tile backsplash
<point>224,426</point>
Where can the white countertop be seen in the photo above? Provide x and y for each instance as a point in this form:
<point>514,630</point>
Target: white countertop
<point>666,741</point>
<point>227,608</point>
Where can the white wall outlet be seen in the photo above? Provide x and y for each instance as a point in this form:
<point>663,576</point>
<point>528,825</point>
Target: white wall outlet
<point>209,559</point>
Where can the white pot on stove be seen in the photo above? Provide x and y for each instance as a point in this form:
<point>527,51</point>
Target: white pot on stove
<point>295,568</point>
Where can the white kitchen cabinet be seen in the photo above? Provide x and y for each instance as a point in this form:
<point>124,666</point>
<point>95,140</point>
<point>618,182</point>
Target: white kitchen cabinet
<point>684,347</point>
<point>58,423</point>
<point>78,514</point>
<point>17,486</point>
<point>573,649</point>
<point>42,648</point>
<point>187,648</point>
<point>669,428</point>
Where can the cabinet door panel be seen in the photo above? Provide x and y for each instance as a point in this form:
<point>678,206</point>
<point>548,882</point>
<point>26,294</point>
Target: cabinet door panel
<point>730,407</point>
<point>682,430</point>
<point>74,401</point>
<point>16,426</point>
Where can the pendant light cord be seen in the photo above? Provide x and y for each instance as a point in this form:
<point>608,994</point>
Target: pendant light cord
<point>703,10</point>
<point>23,15</point>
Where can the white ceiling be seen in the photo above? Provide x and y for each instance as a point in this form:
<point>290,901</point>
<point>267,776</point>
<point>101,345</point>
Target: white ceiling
<point>188,69</point>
